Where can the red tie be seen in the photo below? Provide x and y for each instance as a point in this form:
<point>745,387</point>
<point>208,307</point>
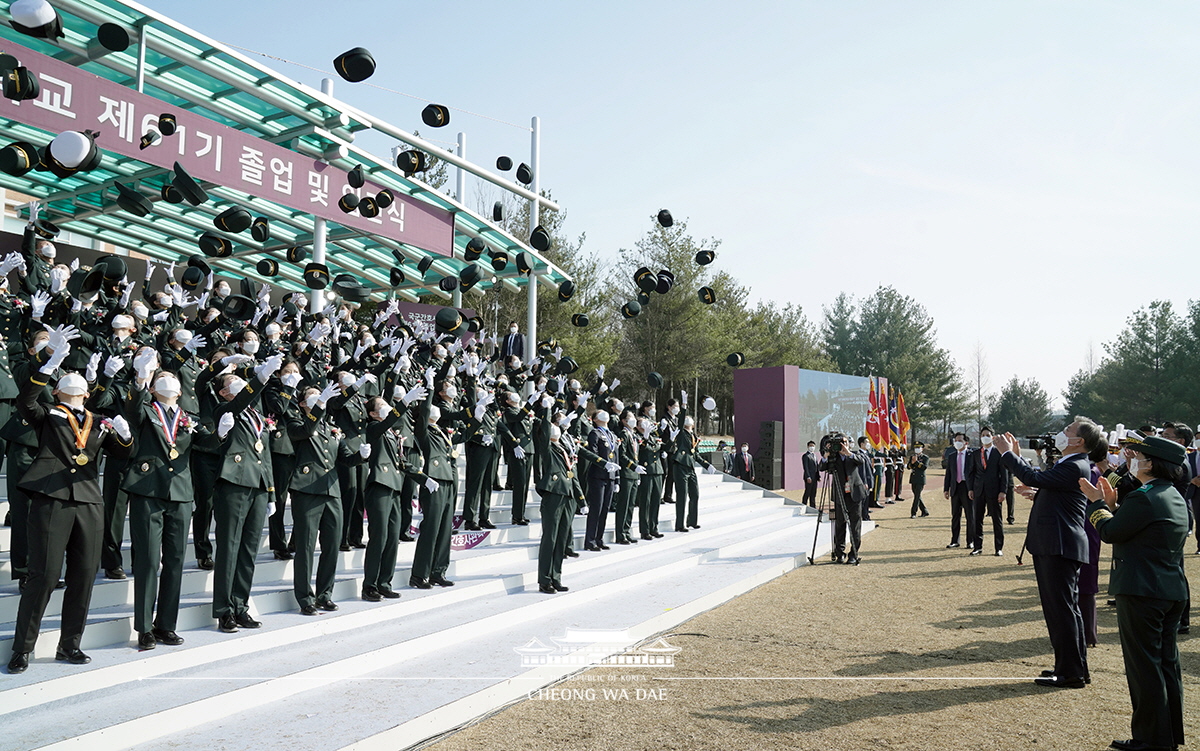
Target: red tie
<point>983,455</point>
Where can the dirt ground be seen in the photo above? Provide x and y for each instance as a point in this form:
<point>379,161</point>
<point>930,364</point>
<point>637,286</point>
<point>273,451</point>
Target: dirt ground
<point>920,647</point>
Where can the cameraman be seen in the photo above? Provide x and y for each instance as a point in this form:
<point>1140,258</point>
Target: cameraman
<point>1058,543</point>
<point>842,464</point>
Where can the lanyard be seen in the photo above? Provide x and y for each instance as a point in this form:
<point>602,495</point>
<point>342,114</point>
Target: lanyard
<point>171,430</point>
<point>81,436</point>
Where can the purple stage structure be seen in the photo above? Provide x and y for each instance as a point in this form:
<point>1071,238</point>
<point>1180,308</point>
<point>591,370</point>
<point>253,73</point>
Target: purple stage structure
<point>809,403</point>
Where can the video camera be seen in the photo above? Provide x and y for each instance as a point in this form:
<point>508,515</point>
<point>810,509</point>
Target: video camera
<point>832,443</point>
<point>1045,444</point>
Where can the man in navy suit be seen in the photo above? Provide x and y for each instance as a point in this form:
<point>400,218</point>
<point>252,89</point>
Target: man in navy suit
<point>957,489</point>
<point>811,475</point>
<point>513,343</point>
<point>1058,543</point>
<point>989,484</point>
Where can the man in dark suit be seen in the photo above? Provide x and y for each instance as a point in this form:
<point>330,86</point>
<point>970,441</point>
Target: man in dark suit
<point>957,488</point>
<point>602,479</point>
<point>989,483</point>
<point>66,511</point>
<point>1058,543</point>
<point>742,464</point>
<point>512,345</point>
<point>812,475</point>
<point>846,491</point>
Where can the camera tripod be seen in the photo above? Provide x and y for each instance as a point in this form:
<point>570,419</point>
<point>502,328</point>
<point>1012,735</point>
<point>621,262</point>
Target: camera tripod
<point>824,496</point>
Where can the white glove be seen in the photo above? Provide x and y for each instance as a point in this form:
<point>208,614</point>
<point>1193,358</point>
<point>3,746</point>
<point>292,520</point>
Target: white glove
<point>264,292</point>
<point>600,373</point>
<point>709,403</point>
<point>58,278</point>
<point>195,343</point>
<point>365,451</point>
<point>547,402</point>
<point>258,314</point>
<point>76,305</point>
<point>224,425</point>
<point>127,293</point>
<point>610,467</point>
<point>291,380</point>
<point>268,368</point>
<point>711,470</point>
<point>674,433</point>
<point>331,390</point>
<point>518,452</point>
<point>149,269</point>
<point>397,392</point>
<point>113,365</point>
<point>416,393</point>
<point>21,267</point>
<point>431,485</point>
<point>663,424</point>
<point>60,335</point>
<point>358,351</point>
<point>121,427</point>
<point>683,398</point>
<point>73,265</point>
<point>9,263</point>
<point>585,397</point>
<point>40,300</point>
<point>429,373</point>
<point>236,359</point>
<point>364,379</point>
<point>640,469</point>
<point>270,508</point>
<point>92,367</point>
<point>319,332</point>
<point>487,438</point>
<point>533,397</point>
<point>202,302</point>
<point>143,363</point>
<point>56,359</point>
<point>616,382</point>
<point>160,316</point>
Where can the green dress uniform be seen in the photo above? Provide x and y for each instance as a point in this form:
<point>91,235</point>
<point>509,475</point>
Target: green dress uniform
<point>279,402</point>
<point>385,481</point>
<point>206,462</point>
<point>627,489</point>
<point>1148,532</point>
<point>649,493</point>
<point>349,412</point>
<point>558,486</point>
<point>158,480</point>
<point>917,464</point>
<point>685,457</point>
<point>240,500</point>
<point>316,502</point>
<point>22,439</point>
<point>65,513</point>
<point>516,430</point>
<point>483,454</point>
<point>440,453</point>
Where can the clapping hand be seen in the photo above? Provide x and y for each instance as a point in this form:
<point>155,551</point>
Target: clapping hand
<point>1104,491</point>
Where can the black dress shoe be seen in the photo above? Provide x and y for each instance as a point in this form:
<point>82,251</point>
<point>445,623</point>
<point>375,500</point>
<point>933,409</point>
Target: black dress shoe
<point>522,522</point>
<point>559,586</point>
<point>547,589</point>
<point>74,656</point>
<point>631,540</point>
<point>591,547</point>
<point>243,620</point>
<point>836,558</point>
<point>1183,630</point>
<point>1048,673</point>
<point>694,526</point>
<point>853,560</point>
<point>471,527</point>
<point>419,583</point>
<point>170,638</point>
<point>205,564</point>
<point>371,594</point>
<point>326,604</point>
<point>227,624</point>
<point>18,663</point>
<point>283,555</point>
<point>114,573</point>
<point>440,580</point>
<point>976,551</point>
<point>344,547</point>
<point>602,546</point>
<point>487,525</point>
<point>677,529</point>
<point>308,610</point>
<point>623,541</point>
<point>389,593</point>
<point>146,641</point>
<point>406,538</point>
<point>571,554</point>
<point>952,545</point>
<point>1012,520</point>
<point>657,534</point>
<point>1057,681</point>
<point>924,513</point>
<point>1136,745</point>
<point>360,545</point>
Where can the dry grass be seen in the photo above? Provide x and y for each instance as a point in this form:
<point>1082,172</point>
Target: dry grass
<point>859,639</point>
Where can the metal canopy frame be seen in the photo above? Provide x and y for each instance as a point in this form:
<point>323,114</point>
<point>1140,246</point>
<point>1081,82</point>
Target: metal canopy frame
<point>189,71</point>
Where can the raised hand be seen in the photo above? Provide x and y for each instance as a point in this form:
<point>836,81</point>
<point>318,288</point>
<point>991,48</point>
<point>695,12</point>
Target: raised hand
<point>113,365</point>
<point>224,425</point>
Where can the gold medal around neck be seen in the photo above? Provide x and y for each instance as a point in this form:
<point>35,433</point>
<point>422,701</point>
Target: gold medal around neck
<point>258,446</point>
<point>81,459</point>
<point>173,453</point>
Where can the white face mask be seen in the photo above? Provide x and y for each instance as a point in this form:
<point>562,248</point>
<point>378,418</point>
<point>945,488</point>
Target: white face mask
<point>511,329</point>
<point>250,347</point>
<point>310,401</point>
<point>451,393</point>
<point>183,336</point>
<point>630,422</point>
<point>812,449</point>
<point>918,451</point>
<point>1061,440</point>
<point>1133,467</point>
<point>672,411</point>
<point>346,379</point>
<point>435,414</point>
<point>986,440</point>
<point>272,329</point>
<point>745,449</point>
<point>167,387</point>
<point>141,311</point>
<point>1196,443</point>
<point>223,290</point>
<point>236,385</point>
<point>439,351</point>
<point>368,341</point>
<point>687,424</point>
<point>650,412</point>
<point>403,362</point>
<point>958,445</point>
<point>49,251</point>
<point>41,345</point>
<point>555,432</point>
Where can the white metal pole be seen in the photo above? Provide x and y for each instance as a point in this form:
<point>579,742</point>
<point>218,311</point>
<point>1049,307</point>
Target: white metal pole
<point>141,59</point>
<point>317,298</point>
<point>460,192</point>
<point>531,289</point>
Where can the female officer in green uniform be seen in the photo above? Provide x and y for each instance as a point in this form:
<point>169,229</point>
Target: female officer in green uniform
<point>1147,533</point>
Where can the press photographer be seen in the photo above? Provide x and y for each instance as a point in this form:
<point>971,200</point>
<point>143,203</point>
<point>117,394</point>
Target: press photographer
<point>845,491</point>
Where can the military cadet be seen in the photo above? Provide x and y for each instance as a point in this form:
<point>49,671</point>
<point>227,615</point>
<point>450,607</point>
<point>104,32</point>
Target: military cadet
<point>631,471</point>
<point>242,493</point>
<point>669,424</point>
<point>349,412</point>
<point>516,430</point>
<point>65,514</point>
<point>1148,532</point>
<point>483,452</point>
<point>384,483</point>
<point>39,253</point>
<point>559,485</point>
<point>917,464</point>
<point>685,457</point>
<point>278,402</point>
<point>440,482</point>
<point>316,506</point>
<point>123,345</point>
<point>159,483</point>
<point>179,356</point>
<point>601,479</point>
<point>650,484</point>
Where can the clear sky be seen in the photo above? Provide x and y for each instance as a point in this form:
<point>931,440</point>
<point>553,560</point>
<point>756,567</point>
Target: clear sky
<point>1028,171</point>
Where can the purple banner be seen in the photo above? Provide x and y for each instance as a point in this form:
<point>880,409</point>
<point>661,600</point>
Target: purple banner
<point>73,99</point>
